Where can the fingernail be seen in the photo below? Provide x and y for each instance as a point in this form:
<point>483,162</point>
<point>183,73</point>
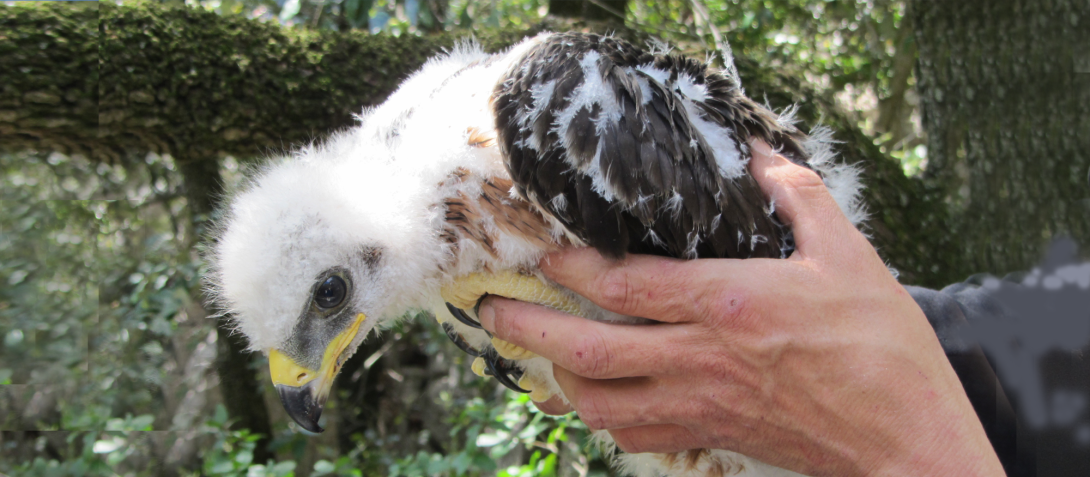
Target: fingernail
<point>487,315</point>
<point>760,147</point>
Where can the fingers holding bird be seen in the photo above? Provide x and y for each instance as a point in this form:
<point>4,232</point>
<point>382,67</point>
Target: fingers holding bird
<point>588,348</point>
<point>625,403</point>
<point>661,289</point>
<point>658,438</point>
<point>616,376</point>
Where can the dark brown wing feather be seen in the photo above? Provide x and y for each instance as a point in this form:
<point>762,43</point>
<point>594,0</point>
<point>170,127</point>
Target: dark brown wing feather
<point>649,154</point>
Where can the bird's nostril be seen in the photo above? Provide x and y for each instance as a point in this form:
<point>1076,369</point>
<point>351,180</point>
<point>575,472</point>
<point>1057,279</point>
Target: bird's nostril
<point>302,377</point>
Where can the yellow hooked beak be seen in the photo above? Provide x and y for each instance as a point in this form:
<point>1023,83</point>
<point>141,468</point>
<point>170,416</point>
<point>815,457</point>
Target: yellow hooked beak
<point>303,391</point>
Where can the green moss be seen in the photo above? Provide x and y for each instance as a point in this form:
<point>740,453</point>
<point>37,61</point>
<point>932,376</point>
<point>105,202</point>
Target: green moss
<point>48,74</point>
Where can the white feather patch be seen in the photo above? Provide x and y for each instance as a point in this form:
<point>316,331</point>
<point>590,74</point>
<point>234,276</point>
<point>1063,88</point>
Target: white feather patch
<point>592,91</point>
<point>841,179</point>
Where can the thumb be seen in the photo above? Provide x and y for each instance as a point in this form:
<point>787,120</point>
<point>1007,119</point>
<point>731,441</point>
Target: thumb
<point>801,199</point>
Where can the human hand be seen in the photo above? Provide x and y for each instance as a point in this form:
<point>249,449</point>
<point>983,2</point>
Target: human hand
<point>821,363</point>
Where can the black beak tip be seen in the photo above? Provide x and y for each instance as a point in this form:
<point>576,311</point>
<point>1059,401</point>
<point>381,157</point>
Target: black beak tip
<point>300,404</point>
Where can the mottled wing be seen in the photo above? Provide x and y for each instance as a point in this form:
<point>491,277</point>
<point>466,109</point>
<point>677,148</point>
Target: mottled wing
<point>639,153</point>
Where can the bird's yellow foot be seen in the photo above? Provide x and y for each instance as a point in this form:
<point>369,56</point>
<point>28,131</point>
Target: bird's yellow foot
<point>502,369</point>
<point>539,389</point>
<point>466,293</point>
<point>479,367</point>
<point>511,351</point>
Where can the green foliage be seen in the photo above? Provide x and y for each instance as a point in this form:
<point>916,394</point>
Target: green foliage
<point>341,467</point>
<point>392,16</point>
<point>83,460</point>
<point>96,274</point>
<point>91,281</point>
<point>860,51</point>
<point>233,454</point>
<point>495,430</point>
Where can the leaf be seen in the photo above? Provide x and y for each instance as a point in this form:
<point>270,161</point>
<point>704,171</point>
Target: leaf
<point>323,467</point>
<point>459,463</point>
<point>220,416</point>
<point>244,457</point>
<point>115,424</point>
<point>108,446</point>
<point>289,10</point>
<point>13,338</point>
<point>548,467</point>
<point>223,467</point>
<point>141,423</point>
<point>437,465</point>
<point>284,469</point>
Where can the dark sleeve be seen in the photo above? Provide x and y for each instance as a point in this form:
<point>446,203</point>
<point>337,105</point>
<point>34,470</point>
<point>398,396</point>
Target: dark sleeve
<point>1017,345</point>
<point>978,378</point>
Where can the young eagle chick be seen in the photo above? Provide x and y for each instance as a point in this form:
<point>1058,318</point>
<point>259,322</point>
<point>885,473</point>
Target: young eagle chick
<point>470,173</point>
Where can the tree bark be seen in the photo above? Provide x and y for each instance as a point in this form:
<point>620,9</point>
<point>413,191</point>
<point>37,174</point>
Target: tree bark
<point>49,77</point>
<point>178,78</point>
<point>1006,106</point>
<point>238,382</point>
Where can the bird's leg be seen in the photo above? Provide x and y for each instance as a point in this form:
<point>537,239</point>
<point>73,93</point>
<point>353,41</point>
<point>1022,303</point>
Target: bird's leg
<point>467,292</point>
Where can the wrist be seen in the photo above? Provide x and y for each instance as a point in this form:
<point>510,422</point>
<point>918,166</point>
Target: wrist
<point>949,441</point>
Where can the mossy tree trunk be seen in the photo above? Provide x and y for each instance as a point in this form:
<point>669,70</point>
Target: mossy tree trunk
<point>1005,89</point>
<point>241,392</point>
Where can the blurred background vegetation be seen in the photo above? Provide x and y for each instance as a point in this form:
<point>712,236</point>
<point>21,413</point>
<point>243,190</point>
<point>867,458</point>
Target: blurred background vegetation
<point>108,360</point>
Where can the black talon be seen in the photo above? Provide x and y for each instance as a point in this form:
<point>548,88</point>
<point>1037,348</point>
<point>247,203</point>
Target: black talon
<point>463,317</point>
<point>516,373</point>
<point>460,341</point>
<point>502,370</point>
<point>508,367</point>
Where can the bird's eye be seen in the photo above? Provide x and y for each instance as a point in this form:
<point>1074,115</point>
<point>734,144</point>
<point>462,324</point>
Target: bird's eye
<point>330,293</point>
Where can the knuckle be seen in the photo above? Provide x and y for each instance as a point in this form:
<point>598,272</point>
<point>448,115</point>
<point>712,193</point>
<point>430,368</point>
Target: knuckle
<point>592,357</point>
<point>804,184</point>
<point>733,308</point>
<point>615,290</point>
<point>803,178</point>
<point>594,410</point>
